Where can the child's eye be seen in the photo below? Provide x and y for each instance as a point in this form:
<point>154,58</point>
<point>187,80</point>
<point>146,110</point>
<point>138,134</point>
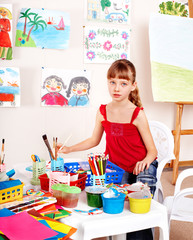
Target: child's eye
<point>124,84</point>
<point>112,82</point>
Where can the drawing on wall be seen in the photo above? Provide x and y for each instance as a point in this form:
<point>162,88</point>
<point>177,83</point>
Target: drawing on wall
<point>111,11</point>
<point>65,87</point>
<point>171,52</point>
<point>43,28</point>
<point>177,7</point>
<point>105,45</point>
<point>6,31</point>
<point>9,87</point>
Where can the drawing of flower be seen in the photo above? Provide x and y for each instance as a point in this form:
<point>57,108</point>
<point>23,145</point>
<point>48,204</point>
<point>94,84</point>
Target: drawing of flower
<point>107,45</point>
<point>124,56</point>
<point>125,35</point>
<point>90,55</point>
<point>23,41</point>
<point>92,35</point>
<point>20,39</point>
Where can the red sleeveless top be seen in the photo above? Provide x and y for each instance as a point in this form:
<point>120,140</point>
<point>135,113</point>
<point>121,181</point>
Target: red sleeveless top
<point>123,141</point>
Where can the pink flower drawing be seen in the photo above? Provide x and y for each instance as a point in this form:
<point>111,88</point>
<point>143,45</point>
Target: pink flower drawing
<point>107,45</point>
<point>125,35</point>
<point>124,56</point>
<point>92,35</point>
<point>90,55</point>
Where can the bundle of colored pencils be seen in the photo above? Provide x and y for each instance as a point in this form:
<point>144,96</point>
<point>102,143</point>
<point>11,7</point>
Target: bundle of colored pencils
<point>98,163</point>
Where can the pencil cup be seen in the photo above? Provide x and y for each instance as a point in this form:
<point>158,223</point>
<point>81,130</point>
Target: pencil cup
<point>39,168</point>
<point>2,167</point>
<point>98,180</point>
<point>57,165</point>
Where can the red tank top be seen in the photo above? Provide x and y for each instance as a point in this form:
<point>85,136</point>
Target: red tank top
<point>123,141</point>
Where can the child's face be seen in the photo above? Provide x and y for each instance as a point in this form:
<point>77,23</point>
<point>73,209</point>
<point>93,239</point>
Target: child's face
<point>80,88</point>
<point>120,89</point>
<point>53,86</point>
<point>3,12</point>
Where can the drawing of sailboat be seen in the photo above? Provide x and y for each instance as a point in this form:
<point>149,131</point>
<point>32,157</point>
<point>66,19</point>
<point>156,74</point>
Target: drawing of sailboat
<point>61,25</point>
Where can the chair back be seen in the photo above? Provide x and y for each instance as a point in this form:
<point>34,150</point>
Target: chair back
<point>163,140</point>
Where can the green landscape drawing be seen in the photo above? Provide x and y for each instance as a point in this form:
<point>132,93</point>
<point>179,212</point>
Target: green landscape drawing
<point>171,83</point>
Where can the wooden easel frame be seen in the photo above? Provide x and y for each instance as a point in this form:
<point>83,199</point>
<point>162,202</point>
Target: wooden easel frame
<point>177,133</point>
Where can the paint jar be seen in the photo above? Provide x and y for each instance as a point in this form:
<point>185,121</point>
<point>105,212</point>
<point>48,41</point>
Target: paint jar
<point>66,196</point>
<point>113,205</point>
<point>39,168</point>
<point>57,165</point>
<point>94,195</point>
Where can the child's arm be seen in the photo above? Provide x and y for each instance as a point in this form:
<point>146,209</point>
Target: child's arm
<point>143,127</point>
<point>91,142</point>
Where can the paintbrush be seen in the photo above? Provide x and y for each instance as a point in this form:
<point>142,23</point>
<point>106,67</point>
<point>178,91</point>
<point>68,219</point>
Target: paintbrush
<point>65,141</point>
<point>48,145</point>
<point>54,146</point>
<point>56,153</point>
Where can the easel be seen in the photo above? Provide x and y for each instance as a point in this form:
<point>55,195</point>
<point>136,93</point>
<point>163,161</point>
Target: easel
<point>177,133</point>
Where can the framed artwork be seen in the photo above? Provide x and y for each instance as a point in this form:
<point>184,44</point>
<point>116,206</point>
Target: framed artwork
<point>43,28</point>
<point>9,87</point>
<point>171,54</point>
<point>106,44</point>
<point>6,31</point>
<point>65,87</point>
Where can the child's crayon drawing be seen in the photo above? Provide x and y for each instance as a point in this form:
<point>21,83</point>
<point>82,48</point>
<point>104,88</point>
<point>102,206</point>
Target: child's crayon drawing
<point>65,87</point>
<point>105,45</point>
<point>9,87</point>
<point>6,31</point>
<point>43,28</point>
<point>110,11</point>
<point>177,7</point>
<point>171,58</point>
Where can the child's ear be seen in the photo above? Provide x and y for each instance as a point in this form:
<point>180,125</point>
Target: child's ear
<point>134,85</point>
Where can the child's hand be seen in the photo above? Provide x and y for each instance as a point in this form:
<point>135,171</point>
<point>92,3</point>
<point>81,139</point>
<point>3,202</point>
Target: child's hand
<point>140,166</point>
<point>64,149</point>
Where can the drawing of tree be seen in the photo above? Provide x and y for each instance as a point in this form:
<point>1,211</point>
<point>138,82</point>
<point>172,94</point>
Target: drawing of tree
<point>36,23</point>
<point>105,4</point>
<point>26,15</point>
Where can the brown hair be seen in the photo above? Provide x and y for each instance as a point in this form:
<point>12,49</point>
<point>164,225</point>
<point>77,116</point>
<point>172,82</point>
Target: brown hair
<point>124,69</point>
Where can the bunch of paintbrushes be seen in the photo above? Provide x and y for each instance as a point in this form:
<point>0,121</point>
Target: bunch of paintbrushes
<point>53,153</point>
<point>98,163</point>
<point>2,156</point>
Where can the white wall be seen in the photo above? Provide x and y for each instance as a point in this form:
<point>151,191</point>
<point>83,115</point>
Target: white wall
<point>23,127</point>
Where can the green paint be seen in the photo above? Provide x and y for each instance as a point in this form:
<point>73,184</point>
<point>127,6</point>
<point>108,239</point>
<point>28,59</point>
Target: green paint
<point>171,83</point>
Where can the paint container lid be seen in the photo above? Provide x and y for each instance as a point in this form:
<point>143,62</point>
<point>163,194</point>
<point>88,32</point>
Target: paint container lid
<point>95,189</point>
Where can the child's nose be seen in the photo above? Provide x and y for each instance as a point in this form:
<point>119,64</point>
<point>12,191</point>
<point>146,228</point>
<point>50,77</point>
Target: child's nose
<point>117,87</point>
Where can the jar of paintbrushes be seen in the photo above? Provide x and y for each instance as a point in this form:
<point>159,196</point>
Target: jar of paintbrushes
<point>57,163</point>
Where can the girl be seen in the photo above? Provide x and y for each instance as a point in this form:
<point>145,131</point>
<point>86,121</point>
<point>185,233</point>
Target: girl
<point>129,142</point>
<point>5,28</point>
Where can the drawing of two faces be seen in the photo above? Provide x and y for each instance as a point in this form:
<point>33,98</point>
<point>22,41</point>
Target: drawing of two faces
<point>79,88</point>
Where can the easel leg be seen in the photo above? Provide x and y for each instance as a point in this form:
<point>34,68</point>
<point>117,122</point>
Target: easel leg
<point>177,142</point>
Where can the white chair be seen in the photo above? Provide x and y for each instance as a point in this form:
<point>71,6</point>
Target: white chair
<point>180,206</point>
<point>164,143</point>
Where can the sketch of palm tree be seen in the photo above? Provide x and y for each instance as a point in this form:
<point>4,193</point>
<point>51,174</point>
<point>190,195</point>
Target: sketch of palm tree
<point>36,22</point>
<point>26,15</point>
